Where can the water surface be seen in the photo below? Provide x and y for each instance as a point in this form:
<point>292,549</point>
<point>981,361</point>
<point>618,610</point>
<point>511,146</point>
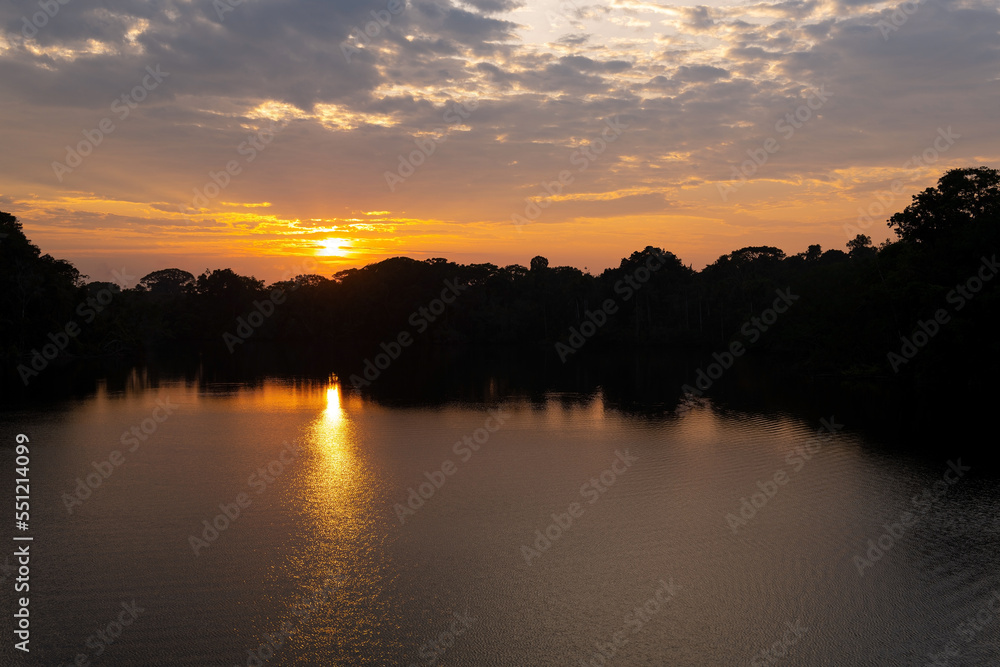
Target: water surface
<point>326,550</point>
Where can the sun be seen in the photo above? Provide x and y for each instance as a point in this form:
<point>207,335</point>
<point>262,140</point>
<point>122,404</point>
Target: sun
<point>334,247</point>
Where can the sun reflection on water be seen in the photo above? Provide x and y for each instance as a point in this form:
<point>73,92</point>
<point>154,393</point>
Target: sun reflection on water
<point>334,410</point>
<point>346,528</point>
<point>332,433</point>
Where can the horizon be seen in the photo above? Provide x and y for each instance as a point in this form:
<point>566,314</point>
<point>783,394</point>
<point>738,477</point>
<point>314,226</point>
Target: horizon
<point>309,265</point>
<point>164,137</point>
<point>500,332</point>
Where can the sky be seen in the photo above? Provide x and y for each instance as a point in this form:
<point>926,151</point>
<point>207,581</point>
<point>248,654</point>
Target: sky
<point>278,137</point>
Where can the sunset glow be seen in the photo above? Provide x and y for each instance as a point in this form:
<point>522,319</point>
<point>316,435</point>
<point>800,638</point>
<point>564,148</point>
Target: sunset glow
<point>333,247</point>
<point>500,332</point>
<point>448,125</point>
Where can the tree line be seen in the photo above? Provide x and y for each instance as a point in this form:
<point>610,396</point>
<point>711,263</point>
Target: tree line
<point>853,310</point>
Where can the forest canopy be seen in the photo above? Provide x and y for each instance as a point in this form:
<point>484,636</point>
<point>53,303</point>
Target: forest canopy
<point>855,307</point>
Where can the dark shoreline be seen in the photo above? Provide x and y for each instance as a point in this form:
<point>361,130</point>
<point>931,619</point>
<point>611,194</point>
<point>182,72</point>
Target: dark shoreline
<point>646,382</point>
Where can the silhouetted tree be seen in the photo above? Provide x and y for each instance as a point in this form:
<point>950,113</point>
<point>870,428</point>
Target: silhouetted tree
<point>167,282</point>
<point>539,263</point>
<point>860,246</point>
<point>853,308</point>
<point>960,197</point>
<point>37,293</point>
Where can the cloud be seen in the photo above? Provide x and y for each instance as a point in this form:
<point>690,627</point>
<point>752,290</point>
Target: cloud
<point>574,39</point>
<point>699,88</point>
<point>585,64</point>
<point>699,74</point>
<point>494,6</point>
